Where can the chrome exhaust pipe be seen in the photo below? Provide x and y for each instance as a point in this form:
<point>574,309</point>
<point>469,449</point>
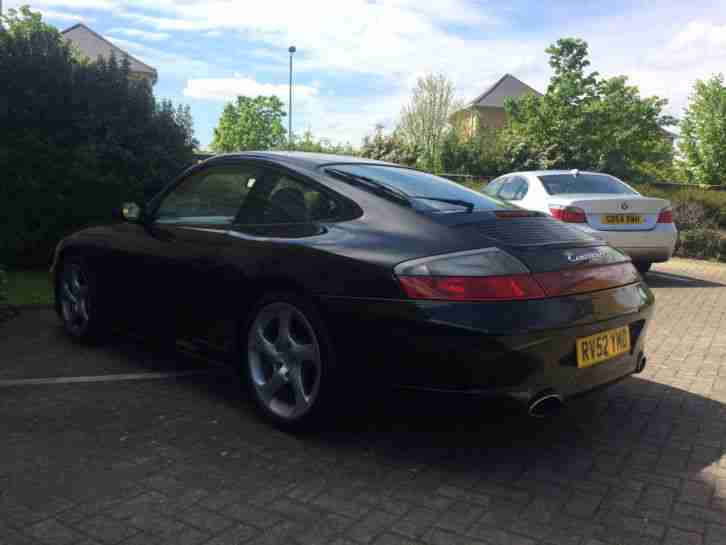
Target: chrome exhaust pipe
<point>545,404</point>
<point>641,362</point>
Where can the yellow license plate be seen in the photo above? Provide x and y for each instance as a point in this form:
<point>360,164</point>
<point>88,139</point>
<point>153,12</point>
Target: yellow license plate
<point>623,219</point>
<point>602,346</point>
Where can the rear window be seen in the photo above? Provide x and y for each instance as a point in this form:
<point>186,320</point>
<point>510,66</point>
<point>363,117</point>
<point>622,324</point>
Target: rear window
<point>562,184</point>
<point>419,187</point>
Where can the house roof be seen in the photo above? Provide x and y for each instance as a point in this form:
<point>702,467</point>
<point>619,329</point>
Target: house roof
<point>505,87</point>
<point>93,45</point>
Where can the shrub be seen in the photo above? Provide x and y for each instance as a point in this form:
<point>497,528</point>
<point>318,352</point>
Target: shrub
<point>77,139</point>
<point>6,311</point>
<point>692,208</point>
<point>3,287</point>
<point>703,244</point>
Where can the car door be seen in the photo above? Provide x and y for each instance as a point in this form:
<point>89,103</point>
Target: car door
<point>187,230</point>
<point>269,241</point>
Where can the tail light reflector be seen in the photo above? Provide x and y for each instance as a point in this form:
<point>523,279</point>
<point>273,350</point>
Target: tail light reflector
<point>666,215</point>
<point>569,214</point>
<point>491,274</point>
<point>472,288</point>
<point>571,281</point>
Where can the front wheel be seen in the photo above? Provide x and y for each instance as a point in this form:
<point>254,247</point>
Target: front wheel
<point>76,300</point>
<point>288,361</point>
<point>643,267</point>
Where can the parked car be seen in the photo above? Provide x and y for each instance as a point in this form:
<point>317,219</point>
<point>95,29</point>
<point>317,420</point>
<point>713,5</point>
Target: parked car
<point>602,205</point>
<point>324,277</point>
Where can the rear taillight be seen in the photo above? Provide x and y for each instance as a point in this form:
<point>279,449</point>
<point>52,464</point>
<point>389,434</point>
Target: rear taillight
<point>471,288</point>
<point>569,214</point>
<point>586,279</point>
<point>494,275</point>
<point>666,215</point>
<point>488,274</point>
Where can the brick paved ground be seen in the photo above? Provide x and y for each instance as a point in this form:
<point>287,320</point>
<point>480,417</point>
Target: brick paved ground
<point>185,461</point>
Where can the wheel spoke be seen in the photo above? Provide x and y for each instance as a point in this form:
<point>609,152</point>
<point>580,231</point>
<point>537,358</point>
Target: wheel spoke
<point>75,280</point>
<point>283,331</point>
<point>262,343</point>
<point>301,400</point>
<point>66,291</point>
<point>82,308</point>
<point>271,387</point>
<point>303,352</point>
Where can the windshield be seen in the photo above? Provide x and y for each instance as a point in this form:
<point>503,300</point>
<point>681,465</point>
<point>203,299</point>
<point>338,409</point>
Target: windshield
<point>425,191</point>
<point>559,184</point>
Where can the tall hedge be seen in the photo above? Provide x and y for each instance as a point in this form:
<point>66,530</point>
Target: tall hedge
<point>77,138</point>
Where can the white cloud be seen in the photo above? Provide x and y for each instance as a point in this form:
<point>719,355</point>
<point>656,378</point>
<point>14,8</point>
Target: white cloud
<point>228,88</point>
<point>166,62</point>
<point>662,46</point>
<point>38,5</point>
<point>698,43</point>
<point>141,34</point>
<point>386,38</point>
<point>66,17</point>
<point>662,51</point>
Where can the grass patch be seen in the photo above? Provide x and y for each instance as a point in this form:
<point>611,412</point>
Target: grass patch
<point>29,287</point>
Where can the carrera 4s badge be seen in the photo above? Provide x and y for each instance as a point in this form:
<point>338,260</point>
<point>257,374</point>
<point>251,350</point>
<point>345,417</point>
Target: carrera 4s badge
<point>588,256</point>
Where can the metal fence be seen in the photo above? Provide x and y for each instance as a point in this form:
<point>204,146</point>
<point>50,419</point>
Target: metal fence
<point>467,178</point>
<point>677,185</point>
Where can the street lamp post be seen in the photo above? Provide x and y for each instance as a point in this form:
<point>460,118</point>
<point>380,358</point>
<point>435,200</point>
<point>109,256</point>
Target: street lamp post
<point>289,104</point>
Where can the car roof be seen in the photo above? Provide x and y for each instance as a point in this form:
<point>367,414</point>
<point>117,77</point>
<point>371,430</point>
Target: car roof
<point>561,171</point>
<point>298,158</point>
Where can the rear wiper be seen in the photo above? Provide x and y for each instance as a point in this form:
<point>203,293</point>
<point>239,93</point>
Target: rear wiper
<point>371,184</point>
<point>466,204</point>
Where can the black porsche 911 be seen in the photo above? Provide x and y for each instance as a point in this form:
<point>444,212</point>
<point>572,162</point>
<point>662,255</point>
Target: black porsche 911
<point>318,272</point>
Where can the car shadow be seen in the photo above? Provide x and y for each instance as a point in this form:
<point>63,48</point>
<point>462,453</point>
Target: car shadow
<point>620,464</point>
<point>656,279</point>
<point>635,410</point>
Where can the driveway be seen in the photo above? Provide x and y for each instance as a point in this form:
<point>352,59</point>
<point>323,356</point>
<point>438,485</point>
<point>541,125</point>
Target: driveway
<point>129,444</point>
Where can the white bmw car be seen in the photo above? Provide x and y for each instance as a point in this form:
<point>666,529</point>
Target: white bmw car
<point>602,205</point>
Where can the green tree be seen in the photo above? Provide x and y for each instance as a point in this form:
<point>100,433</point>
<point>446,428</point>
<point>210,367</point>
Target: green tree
<point>391,147</point>
<point>309,143</point>
<point>703,132</point>
<point>478,154</point>
<point>250,124</point>
<point>584,121</point>
<point>77,139</point>
<point>424,120</point>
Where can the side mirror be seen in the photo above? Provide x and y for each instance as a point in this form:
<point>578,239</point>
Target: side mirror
<point>131,212</point>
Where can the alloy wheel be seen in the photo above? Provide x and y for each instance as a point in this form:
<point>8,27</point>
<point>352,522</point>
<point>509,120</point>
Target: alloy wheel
<point>284,360</point>
<point>75,298</point>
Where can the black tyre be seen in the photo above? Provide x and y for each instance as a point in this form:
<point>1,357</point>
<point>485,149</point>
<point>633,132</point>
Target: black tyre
<point>77,301</point>
<point>288,363</point>
<point>643,267</point>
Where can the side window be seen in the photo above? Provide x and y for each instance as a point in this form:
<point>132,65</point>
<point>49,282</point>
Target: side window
<point>521,190</point>
<point>510,189</point>
<point>283,199</point>
<point>211,196</point>
<point>493,187</point>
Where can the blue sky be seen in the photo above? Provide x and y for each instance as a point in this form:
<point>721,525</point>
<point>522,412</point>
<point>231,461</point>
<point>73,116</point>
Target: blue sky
<point>357,60</point>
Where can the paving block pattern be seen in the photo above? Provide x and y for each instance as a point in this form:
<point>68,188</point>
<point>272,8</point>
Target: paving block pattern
<point>186,460</point>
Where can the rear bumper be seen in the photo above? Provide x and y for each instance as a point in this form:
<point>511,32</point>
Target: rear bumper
<point>656,245</point>
<point>513,348</point>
